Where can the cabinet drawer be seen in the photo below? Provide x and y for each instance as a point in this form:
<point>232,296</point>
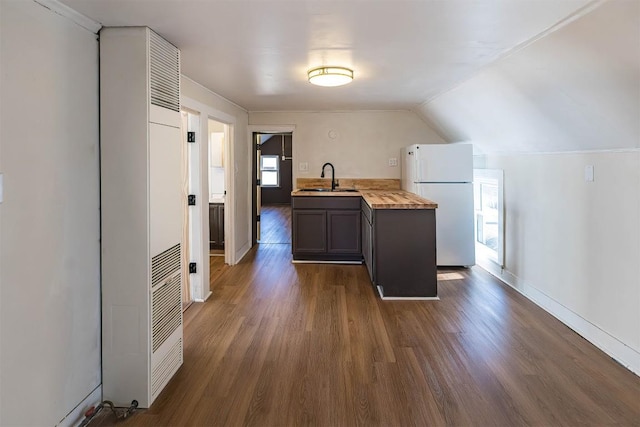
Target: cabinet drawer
<point>325,202</point>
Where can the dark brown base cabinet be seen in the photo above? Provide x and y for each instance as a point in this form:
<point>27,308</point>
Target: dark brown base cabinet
<point>326,228</point>
<point>399,249</point>
<point>216,225</point>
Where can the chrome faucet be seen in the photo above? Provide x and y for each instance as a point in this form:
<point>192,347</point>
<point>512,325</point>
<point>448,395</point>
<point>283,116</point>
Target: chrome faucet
<point>333,175</point>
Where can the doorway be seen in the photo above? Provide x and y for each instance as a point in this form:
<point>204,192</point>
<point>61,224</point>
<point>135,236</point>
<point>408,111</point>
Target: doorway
<point>272,160</point>
<point>198,188</point>
<point>218,134</point>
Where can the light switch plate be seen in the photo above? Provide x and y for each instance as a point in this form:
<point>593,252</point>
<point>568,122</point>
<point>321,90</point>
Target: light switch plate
<point>588,173</point>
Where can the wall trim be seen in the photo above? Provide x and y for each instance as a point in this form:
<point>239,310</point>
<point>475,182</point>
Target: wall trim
<point>396,110</point>
<point>551,153</point>
<point>269,129</point>
<point>71,14</point>
<point>214,94</point>
<point>616,349</point>
<point>76,416</point>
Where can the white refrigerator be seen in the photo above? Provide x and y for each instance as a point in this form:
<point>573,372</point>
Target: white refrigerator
<point>444,173</point>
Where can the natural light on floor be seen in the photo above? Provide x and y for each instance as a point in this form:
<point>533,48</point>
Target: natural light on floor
<point>450,276</point>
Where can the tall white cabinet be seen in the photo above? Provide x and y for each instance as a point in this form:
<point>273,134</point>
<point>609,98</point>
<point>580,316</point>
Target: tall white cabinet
<point>141,213</point>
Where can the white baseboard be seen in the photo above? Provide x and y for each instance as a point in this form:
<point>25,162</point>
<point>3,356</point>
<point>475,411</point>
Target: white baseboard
<point>76,416</point>
<point>203,299</point>
<point>619,351</point>
<point>242,252</point>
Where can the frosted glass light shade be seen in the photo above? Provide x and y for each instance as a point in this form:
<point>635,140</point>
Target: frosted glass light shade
<point>330,76</point>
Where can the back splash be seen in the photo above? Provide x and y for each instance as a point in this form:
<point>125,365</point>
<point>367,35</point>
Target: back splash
<point>357,183</point>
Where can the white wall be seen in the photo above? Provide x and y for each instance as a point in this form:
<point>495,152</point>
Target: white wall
<point>240,162</point>
<point>576,89</point>
<point>364,140</point>
<point>577,242</point>
<point>568,100</point>
<point>49,223</point>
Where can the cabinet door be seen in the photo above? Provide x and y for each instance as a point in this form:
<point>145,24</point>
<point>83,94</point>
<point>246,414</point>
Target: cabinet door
<point>344,232</point>
<point>309,231</point>
<point>367,239</point>
<point>221,224</point>
<point>405,252</point>
<point>213,226</point>
<point>367,246</point>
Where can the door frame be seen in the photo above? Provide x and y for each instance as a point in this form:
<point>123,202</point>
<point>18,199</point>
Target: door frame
<point>189,283</point>
<point>200,223</point>
<point>252,129</point>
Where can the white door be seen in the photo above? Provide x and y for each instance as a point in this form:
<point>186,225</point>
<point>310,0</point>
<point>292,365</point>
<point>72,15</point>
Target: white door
<point>454,222</point>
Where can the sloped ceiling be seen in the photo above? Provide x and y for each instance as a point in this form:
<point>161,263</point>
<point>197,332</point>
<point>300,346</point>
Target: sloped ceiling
<point>256,53</point>
<point>576,89</point>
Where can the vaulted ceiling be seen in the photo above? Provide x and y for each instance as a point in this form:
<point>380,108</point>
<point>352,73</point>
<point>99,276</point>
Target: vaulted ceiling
<point>256,53</point>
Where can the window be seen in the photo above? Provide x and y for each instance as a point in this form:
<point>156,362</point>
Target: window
<point>270,171</point>
<point>489,224</point>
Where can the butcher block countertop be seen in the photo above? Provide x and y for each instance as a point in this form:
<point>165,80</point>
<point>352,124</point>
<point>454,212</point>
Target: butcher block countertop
<point>396,199</point>
<point>377,199</point>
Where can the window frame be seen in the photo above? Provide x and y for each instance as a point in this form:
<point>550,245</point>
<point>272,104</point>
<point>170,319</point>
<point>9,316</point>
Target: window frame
<point>492,177</point>
<point>270,169</point>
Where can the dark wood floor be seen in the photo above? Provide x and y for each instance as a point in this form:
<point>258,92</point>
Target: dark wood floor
<point>216,268</point>
<point>282,344</point>
<point>275,224</point>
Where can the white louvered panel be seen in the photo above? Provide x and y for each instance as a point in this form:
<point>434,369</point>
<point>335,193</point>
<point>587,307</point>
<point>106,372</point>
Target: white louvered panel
<point>166,310</point>
<point>163,369</point>
<point>164,73</point>
<point>165,264</point>
<point>143,249</point>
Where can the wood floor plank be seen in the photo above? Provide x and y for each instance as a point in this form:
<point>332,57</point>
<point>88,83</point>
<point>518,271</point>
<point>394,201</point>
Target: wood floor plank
<point>282,344</point>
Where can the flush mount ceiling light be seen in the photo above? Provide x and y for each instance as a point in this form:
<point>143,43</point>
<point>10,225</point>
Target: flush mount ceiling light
<point>330,76</point>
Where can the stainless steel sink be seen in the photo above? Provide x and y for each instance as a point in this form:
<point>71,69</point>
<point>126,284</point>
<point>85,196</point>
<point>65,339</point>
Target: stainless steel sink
<point>337,190</point>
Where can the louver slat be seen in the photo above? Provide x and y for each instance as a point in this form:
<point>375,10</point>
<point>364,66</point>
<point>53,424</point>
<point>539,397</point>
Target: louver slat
<point>166,311</point>
<point>164,73</point>
<point>163,371</point>
<point>165,264</point>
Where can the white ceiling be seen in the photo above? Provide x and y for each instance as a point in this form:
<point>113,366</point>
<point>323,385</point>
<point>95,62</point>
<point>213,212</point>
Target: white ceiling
<point>256,53</point>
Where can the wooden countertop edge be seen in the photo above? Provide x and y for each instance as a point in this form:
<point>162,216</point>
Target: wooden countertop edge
<point>408,200</point>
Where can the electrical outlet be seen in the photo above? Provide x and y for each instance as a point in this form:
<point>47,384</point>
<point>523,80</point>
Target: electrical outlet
<point>393,161</point>
<point>303,166</point>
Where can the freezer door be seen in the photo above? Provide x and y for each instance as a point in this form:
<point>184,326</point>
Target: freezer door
<point>444,162</point>
<point>454,222</point>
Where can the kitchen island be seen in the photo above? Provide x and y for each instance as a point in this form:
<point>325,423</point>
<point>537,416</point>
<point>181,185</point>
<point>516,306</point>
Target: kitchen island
<point>391,231</point>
